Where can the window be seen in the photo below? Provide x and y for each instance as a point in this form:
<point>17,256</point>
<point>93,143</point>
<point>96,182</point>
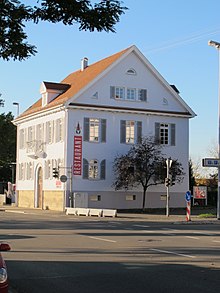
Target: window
<point>21,171</point>
<point>131,71</point>
<point>94,130</point>
<point>93,170</point>
<point>131,197</point>
<point>29,171</point>
<point>129,134</point>
<point>131,94</point>
<point>95,197</point>
<point>119,93</point>
<point>130,131</point>
<point>165,133</point>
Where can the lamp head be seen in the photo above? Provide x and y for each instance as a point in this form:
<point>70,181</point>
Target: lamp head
<point>214,44</point>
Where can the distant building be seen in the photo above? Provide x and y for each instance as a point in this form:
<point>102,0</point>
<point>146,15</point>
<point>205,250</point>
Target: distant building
<point>83,122</point>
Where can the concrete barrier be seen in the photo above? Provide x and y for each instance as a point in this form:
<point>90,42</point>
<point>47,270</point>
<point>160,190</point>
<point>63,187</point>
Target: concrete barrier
<point>82,211</point>
<point>95,212</point>
<point>71,211</point>
<point>109,213</point>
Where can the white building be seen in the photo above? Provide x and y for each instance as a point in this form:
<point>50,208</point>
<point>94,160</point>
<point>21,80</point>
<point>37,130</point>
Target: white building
<point>83,122</point>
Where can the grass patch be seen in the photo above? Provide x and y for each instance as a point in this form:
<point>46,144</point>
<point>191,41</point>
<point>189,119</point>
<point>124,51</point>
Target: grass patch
<point>208,215</point>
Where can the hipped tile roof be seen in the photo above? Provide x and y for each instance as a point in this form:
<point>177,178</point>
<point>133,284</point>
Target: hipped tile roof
<point>75,82</point>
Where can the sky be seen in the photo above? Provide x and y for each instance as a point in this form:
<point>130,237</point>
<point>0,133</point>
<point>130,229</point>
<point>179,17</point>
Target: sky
<point>173,35</point>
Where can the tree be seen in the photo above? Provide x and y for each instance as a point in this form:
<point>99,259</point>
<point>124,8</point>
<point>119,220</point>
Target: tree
<point>101,16</point>
<point>7,146</point>
<point>192,180</point>
<point>144,165</point>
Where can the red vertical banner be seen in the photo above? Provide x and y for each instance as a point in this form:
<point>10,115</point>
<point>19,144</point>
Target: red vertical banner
<point>77,155</point>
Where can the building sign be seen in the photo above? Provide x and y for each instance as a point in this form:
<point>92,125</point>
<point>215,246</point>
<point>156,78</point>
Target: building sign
<point>199,192</point>
<point>77,155</point>
<point>210,162</point>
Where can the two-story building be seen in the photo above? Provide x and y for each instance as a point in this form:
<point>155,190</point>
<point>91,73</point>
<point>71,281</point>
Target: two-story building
<point>80,124</point>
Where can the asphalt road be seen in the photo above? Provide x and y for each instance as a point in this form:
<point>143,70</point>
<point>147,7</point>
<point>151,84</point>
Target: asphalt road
<point>58,253</point>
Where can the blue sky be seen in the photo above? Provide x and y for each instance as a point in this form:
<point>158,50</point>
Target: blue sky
<point>172,34</point>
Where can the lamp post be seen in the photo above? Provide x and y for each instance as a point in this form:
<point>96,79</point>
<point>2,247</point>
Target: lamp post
<point>216,45</point>
<point>17,105</point>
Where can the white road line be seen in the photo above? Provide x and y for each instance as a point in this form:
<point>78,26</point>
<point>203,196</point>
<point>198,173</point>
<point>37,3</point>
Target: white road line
<point>141,226</point>
<point>216,241</point>
<point>102,239</point>
<point>171,252</point>
<point>191,237</point>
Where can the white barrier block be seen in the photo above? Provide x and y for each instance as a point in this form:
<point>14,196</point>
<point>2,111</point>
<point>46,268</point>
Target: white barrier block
<point>82,211</point>
<point>95,212</point>
<point>71,211</point>
<point>109,213</point>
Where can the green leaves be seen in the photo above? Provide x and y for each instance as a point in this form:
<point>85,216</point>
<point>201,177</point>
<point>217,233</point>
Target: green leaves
<point>101,16</point>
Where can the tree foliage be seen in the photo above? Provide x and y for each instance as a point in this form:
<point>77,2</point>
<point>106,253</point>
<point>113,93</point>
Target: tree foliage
<point>144,165</point>
<point>7,146</point>
<point>101,16</point>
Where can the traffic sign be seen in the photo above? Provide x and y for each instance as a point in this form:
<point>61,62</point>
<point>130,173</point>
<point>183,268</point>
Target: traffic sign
<point>188,196</point>
<point>209,162</point>
<point>63,178</point>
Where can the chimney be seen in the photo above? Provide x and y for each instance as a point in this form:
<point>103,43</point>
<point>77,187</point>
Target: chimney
<point>84,63</point>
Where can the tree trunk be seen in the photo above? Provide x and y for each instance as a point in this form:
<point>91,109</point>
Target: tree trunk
<point>144,199</point>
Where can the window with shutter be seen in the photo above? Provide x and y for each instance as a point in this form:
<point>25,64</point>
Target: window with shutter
<point>102,170</point>
<point>165,133</point>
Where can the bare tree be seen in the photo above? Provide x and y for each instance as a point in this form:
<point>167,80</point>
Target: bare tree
<point>144,165</point>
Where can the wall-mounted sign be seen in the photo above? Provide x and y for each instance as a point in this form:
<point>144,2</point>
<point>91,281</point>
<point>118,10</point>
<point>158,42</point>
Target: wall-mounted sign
<point>77,155</point>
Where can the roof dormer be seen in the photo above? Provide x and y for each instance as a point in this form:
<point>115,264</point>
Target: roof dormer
<point>51,90</point>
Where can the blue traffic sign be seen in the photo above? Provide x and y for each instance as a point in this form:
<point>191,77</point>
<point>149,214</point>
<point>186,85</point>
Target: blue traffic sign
<point>188,196</point>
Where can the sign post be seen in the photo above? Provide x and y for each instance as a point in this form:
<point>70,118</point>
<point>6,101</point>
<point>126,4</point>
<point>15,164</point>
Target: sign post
<point>188,206</point>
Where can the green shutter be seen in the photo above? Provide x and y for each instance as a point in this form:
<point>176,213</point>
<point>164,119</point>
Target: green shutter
<point>139,131</point>
<point>103,130</point>
<point>85,169</point>
<point>102,170</point>
<point>157,133</point>
<point>86,129</point>
<point>112,92</point>
<point>173,134</point>
<point>143,95</point>
<point>123,131</point>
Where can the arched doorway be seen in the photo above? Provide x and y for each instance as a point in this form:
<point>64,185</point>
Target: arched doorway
<point>39,188</point>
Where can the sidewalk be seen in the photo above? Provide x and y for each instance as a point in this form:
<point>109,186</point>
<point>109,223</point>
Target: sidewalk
<point>151,217</point>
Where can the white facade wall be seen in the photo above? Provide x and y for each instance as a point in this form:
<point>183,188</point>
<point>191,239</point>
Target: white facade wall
<point>163,105</point>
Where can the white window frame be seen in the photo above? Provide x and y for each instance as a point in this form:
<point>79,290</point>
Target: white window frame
<point>164,134</point>
<point>119,93</point>
<point>130,132</point>
<point>94,169</point>
<point>94,127</point>
<point>131,94</point>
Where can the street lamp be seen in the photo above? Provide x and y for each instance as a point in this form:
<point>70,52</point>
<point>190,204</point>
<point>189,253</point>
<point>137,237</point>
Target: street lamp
<point>216,45</point>
<point>17,105</point>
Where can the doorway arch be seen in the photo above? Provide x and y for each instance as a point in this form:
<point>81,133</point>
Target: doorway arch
<point>38,202</point>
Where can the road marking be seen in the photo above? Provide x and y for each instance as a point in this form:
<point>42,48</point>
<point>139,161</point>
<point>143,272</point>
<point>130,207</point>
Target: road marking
<point>102,239</point>
<point>171,252</point>
<point>218,241</point>
<point>191,237</point>
<point>141,226</point>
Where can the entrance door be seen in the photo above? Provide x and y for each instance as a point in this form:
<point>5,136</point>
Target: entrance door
<point>39,188</point>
